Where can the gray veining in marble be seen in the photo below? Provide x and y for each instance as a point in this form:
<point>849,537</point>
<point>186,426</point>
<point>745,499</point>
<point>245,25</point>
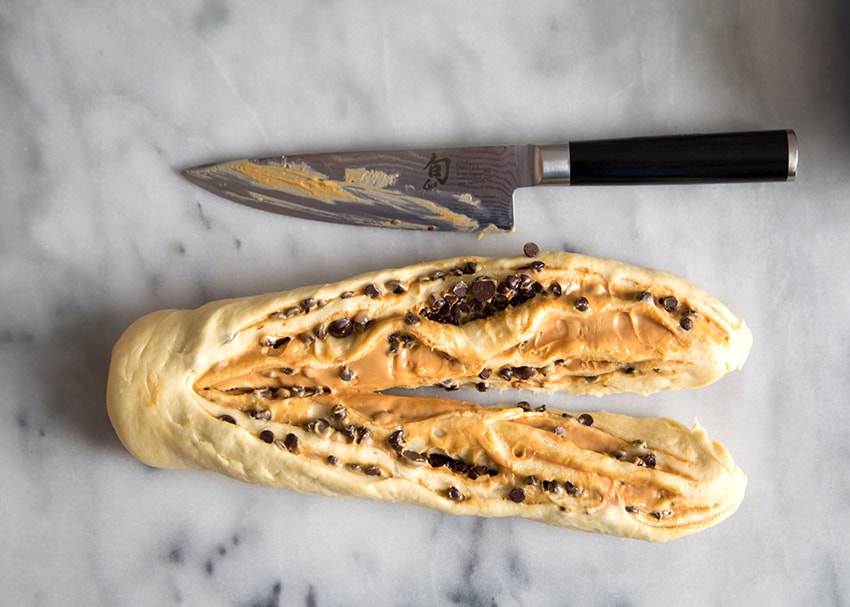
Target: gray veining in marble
<point>101,105</point>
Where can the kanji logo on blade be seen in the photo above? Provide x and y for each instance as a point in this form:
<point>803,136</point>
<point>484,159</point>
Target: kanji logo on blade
<point>438,171</point>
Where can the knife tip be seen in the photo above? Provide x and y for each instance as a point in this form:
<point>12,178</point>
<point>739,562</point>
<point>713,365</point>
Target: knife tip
<point>193,174</point>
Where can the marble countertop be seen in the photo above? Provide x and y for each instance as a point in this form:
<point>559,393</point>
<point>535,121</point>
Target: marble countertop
<point>102,103</point>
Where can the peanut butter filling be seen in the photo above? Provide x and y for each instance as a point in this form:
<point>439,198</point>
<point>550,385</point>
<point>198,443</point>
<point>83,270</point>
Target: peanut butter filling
<point>581,330</point>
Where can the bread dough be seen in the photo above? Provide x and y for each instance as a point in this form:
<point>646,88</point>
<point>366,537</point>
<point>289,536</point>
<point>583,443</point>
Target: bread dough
<point>287,390</point>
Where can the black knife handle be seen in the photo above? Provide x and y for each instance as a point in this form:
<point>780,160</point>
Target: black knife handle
<point>720,158</point>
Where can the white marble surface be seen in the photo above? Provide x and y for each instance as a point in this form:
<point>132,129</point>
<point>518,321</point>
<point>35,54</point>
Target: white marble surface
<point>101,103</point>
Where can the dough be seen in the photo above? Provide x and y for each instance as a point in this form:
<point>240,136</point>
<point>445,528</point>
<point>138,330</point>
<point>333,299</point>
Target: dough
<point>288,390</point>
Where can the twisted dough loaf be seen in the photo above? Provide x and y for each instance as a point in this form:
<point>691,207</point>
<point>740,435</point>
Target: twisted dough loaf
<point>285,390</point>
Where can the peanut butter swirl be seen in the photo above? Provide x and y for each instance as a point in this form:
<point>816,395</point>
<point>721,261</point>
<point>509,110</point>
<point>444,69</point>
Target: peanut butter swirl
<point>288,390</point>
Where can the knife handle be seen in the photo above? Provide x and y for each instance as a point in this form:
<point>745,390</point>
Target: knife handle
<point>713,158</point>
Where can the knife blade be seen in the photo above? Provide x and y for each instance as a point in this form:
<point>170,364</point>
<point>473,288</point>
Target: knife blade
<point>470,189</point>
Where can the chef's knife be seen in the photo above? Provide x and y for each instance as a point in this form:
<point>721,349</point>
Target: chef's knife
<point>471,189</point>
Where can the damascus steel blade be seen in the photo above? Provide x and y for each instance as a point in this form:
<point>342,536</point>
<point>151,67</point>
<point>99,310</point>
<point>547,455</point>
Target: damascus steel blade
<point>467,189</point>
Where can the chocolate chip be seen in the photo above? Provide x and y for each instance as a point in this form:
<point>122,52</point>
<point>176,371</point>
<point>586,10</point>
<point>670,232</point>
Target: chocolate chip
<point>321,425</point>
<point>437,303</point>
<point>537,265</point>
<point>372,470</point>
<point>308,304</point>
<point>339,412</point>
<point>649,460</point>
<point>394,339</point>
<point>556,487</point>
<point>484,290</point>
<point>629,370</point>
<point>631,509</point>
<point>453,493</point>
<point>396,440</point>
<point>341,327</point>
<point>477,472</point>
<point>460,289</point>
<point>371,290</point>
<point>555,289</point>
<point>267,436</point>
<point>279,342</point>
<point>530,249</point>
<point>413,455</point>
<point>581,304</point>
<point>481,386</point>
<point>448,384</point>
<point>531,480</point>
<point>396,287</point>
<point>459,466</point>
<point>586,419</point>
<point>669,303</point>
<point>321,332</point>
<point>471,267</point>
<point>412,319</point>
<point>346,295</point>
<point>227,418</point>
<point>346,373</point>
<point>292,311</point>
<point>571,489</point>
<point>262,414</point>
<point>591,378</point>
<point>644,296</point>
<point>524,281</point>
<point>291,442</point>
<point>333,460</point>
<point>349,431</point>
<point>687,323</point>
<point>438,460</point>
<point>517,495</point>
<point>656,515</point>
<point>506,373</point>
<point>525,373</point>
<point>524,405</point>
<point>363,434</point>
<point>621,455</point>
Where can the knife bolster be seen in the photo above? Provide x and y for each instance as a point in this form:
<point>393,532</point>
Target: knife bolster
<point>552,164</point>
